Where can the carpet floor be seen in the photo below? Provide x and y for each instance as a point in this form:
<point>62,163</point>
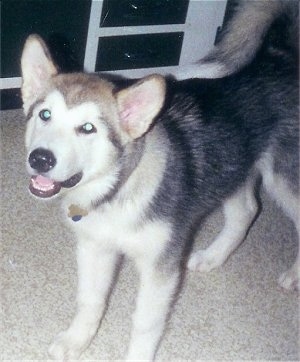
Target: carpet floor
<point>236,312</point>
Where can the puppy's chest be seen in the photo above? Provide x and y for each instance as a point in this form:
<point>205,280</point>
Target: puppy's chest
<point>121,227</point>
<point>107,219</point>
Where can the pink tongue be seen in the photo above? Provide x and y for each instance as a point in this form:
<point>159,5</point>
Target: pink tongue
<point>43,181</point>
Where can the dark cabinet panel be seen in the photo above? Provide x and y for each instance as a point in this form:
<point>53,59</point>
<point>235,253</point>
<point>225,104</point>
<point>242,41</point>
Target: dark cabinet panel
<point>62,23</point>
<point>138,51</point>
<point>143,12</point>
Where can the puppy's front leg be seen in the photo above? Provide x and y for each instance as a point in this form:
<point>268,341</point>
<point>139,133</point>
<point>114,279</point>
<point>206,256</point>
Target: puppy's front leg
<point>155,296</point>
<point>95,273</point>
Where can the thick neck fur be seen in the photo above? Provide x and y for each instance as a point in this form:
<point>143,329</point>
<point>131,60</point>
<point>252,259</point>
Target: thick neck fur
<point>128,162</point>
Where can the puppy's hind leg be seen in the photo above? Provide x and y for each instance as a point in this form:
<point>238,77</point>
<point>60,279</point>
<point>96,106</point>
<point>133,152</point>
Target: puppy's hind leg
<point>239,211</point>
<point>289,202</point>
<point>278,187</point>
<point>290,279</point>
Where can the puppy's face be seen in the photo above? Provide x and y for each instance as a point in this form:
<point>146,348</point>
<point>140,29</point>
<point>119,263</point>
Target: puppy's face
<point>70,139</point>
<point>78,126</point>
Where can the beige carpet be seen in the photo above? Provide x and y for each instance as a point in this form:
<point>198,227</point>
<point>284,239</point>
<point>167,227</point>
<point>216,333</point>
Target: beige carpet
<point>234,313</point>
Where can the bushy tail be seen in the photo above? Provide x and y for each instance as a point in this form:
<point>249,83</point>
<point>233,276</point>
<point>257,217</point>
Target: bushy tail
<point>241,38</point>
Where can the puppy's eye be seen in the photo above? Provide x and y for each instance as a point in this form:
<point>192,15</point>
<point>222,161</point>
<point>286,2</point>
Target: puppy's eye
<point>87,128</point>
<point>45,115</point>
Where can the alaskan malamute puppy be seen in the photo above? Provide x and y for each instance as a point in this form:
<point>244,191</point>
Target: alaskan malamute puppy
<point>139,165</point>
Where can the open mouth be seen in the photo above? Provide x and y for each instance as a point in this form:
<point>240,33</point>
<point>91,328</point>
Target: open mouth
<point>44,187</point>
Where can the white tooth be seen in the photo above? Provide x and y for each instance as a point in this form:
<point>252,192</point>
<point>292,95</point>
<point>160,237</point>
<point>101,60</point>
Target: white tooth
<point>36,185</point>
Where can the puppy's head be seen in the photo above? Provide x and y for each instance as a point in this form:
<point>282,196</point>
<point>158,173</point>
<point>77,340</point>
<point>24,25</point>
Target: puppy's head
<point>78,124</point>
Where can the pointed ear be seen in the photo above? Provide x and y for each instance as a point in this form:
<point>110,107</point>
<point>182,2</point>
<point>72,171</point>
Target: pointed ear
<point>140,103</point>
<point>37,68</point>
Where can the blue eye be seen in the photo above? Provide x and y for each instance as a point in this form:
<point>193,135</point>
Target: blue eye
<point>87,128</point>
<point>45,115</point>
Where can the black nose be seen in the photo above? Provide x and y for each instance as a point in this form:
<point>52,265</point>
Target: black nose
<point>42,160</point>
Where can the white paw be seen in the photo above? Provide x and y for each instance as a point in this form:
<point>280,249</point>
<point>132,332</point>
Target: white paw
<point>204,261</point>
<point>138,356</point>
<point>289,280</point>
<point>66,347</point>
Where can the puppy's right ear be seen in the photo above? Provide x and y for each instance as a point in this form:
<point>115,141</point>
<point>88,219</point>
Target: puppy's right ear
<point>37,68</point>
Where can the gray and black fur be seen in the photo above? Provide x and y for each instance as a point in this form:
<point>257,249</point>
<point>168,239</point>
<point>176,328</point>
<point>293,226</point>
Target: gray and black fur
<point>247,24</point>
<point>219,129</point>
<point>244,34</point>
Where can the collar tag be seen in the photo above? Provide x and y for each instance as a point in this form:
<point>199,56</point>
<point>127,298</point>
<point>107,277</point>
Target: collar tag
<point>76,213</point>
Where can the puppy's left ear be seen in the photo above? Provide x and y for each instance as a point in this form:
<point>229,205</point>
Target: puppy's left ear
<point>140,103</point>
<point>37,69</point>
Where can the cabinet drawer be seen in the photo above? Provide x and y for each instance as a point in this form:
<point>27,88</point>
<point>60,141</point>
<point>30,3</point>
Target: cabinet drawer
<point>138,51</point>
<point>143,12</point>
